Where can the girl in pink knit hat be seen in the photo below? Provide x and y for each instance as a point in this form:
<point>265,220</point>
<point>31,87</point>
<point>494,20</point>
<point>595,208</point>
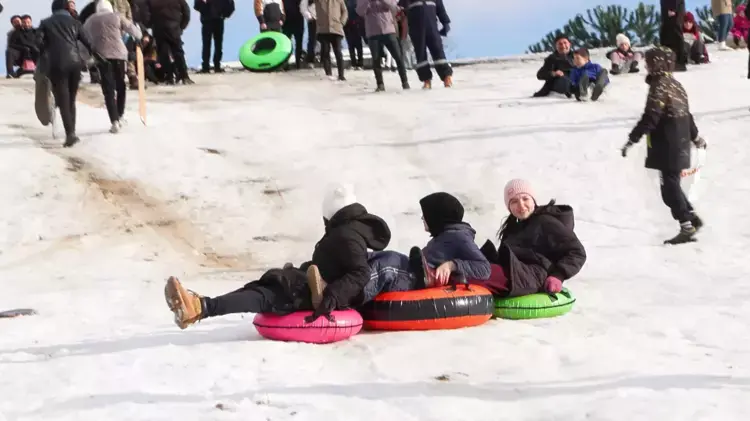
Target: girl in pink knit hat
<point>538,249</point>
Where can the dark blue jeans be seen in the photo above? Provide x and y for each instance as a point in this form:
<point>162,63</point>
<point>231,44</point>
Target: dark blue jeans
<point>724,24</point>
<point>389,272</point>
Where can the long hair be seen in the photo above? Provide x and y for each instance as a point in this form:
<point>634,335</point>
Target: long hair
<point>511,223</point>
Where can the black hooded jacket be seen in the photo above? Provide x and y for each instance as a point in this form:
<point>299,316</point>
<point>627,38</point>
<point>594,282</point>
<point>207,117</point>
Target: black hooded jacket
<point>341,255</point>
<point>62,41</point>
<point>555,62</point>
<point>542,245</point>
<point>172,16</point>
<point>214,9</point>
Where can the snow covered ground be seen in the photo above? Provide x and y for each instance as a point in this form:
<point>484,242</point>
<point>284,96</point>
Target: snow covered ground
<point>226,181</point>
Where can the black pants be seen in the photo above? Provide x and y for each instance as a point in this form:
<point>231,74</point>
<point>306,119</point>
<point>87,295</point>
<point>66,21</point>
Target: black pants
<point>251,298</point>
<point>326,42</point>
<point>561,85</point>
<point>65,89</point>
<point>312,39</point>
<point>354,42</point>
<point>169,43</point>
<point>295,29</point>
<point>670,35</point>
<point>212,29</point>
<point>674,197</point>
<point>391,42</point>
<point>13,57</point>
<point>112,74</point>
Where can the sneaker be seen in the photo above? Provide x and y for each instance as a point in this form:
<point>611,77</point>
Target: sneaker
<point>186,305</point>
<point>317,285</point>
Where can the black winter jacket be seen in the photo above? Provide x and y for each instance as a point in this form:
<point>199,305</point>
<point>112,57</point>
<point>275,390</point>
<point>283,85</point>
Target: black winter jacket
<point>23,40</point>
<point>214,9</point>
<point>668,123</point>
<point>341,255</point>
<point>62,43</point>
<point>169,15</point>
<point>554,62</point>
<point>542,245</point>
<point>678,6</point>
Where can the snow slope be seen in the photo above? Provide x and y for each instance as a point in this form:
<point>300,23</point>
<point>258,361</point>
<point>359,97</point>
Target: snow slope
<point>225,182</point>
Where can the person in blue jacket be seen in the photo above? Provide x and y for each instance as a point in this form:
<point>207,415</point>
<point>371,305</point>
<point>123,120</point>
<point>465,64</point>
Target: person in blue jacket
<point>422,16</point>
<point>584,74</point>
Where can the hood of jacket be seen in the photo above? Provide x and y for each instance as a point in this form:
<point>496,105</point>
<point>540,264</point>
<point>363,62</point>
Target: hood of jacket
<point>660,60</point>
<point>461,227</point>
<point>563,213</point>
<point>372,228</point>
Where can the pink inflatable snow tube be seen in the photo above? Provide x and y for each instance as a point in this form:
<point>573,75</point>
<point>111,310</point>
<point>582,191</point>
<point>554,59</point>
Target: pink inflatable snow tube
<point>293,328</point>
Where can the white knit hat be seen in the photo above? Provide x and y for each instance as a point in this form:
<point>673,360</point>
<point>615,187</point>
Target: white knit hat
<point>516,187</point>
<point>622,39</point>
<point>104,6</point>
<point>337,196</point>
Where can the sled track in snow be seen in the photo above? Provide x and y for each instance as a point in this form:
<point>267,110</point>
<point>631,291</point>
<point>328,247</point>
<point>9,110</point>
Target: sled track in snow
<point>137,210</point>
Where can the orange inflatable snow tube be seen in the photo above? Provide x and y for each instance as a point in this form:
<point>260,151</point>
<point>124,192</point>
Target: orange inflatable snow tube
<point>448,307</point>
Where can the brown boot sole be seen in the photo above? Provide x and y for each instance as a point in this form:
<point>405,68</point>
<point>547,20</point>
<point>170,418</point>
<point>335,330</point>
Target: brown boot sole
<point>317,285</point>
<point>177,300</point>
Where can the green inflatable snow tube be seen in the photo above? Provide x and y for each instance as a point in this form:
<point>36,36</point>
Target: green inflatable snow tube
<point>534,306</point>
<point>266,52</point>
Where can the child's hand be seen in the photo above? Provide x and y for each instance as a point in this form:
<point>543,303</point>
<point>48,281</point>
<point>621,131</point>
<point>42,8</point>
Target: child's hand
<point>443,272</point>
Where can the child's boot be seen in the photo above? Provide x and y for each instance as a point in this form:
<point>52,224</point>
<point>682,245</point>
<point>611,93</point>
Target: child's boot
<point>686,234</point>
<point>187,306</point>
<point>599,85</point>
<point>317,285</point>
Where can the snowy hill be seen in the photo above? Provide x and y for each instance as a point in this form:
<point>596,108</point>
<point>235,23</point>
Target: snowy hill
<point>225,182</point>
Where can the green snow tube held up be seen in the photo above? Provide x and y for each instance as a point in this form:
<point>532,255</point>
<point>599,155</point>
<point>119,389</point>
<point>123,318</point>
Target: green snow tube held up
<point>266,52</point>
<point>534,306</point>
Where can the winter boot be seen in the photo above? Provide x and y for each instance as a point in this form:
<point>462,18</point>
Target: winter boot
<point>187,81</point>
<point>616,70</point>
<point>583,89</point>
<point>427,84</point>
<point>115,127</point>
<point>187,306</point>
<point>70,140</point>
<point>380,88</point>
<point>599,85</point>
<point>634,67</point>
<point>448,81</point>
<point>416,267</point>
<point>204,70</point>
<point>405,85</point>
<point>697,222</point>
<point>686,234</point>
<point>317,285</point>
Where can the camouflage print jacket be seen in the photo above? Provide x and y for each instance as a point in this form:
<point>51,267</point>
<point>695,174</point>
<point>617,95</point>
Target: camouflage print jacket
<point>123,7</point>
<point>666,120</point>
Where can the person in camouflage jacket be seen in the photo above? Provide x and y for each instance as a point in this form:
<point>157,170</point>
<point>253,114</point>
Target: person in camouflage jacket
<point>670,128</point>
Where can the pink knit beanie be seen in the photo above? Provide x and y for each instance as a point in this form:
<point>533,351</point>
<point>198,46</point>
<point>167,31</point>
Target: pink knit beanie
<point>516,187</point>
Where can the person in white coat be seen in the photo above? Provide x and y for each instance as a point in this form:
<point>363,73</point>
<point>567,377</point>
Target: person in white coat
<point>106,28</point>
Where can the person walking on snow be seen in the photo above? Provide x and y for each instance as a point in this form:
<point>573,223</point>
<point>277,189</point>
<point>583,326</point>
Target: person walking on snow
<point>422,18</point>
<point>213,13</point>
<point>105,28</point>
<point>332,17</point>
<point>670,128</point>
<point>60,37</point>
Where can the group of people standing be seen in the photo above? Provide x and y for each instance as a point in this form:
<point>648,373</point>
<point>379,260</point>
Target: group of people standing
<point>383,23</point>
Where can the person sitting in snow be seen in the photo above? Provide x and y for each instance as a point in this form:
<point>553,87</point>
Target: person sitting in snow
<point>623,58</point>
<point>556,69</point>
<point>451,253</point>
<point>738,36</point>
<point>691,34</point>
<point>670,128</point>
<point>584,74</point>
<point>340,275</point>
<point>538,248</point>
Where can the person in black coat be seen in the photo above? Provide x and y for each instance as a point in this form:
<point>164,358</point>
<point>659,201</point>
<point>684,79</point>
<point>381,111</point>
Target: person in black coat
<point>670,32</point>
<point>670,128</point>
<point>169,18</point>
<point>60,38</point>
<point>294,26</point>
<point>213,13</point>
<point>555,71</point>
<point>538,248</point>
<point>341,274</point>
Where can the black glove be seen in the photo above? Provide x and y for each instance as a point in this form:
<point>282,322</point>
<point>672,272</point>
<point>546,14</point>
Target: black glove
<point>445,30</point>
<point>699,143</point>
<point>327,305</point>
<point>625,148</point>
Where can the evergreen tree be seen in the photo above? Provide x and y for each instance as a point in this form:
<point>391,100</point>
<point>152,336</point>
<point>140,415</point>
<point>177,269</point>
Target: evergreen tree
<point>644,23</point>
